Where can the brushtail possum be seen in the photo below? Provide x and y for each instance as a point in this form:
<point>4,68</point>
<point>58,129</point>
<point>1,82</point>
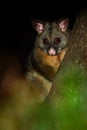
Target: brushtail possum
<point>33,86</point>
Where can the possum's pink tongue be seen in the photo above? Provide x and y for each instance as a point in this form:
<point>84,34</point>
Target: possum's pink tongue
<point>52,51</point>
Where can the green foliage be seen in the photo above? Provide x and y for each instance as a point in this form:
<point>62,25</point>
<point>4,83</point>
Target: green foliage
<point>72,104</point>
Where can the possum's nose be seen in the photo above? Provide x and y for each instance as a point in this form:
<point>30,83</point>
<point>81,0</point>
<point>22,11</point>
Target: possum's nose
<point>52,51</point>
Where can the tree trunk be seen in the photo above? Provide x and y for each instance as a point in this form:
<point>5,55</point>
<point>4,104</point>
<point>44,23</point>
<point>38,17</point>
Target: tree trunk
<point>73,70</point>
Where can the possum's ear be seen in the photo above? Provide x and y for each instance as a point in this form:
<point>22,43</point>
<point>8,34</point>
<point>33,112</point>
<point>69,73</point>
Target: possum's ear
<point>63,24</point>
<point>38,25</point>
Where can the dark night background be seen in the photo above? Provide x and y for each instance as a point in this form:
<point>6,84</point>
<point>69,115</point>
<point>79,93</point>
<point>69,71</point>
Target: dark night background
<point>17,33</point>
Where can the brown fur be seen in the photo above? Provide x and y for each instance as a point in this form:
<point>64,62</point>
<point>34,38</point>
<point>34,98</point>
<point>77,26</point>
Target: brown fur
<point>32,86</point>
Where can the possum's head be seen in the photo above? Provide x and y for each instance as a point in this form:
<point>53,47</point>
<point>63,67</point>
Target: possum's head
<point>52,37</point>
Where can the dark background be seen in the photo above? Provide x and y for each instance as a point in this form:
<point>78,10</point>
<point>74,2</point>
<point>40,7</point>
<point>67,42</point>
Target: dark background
<point>17,33</point>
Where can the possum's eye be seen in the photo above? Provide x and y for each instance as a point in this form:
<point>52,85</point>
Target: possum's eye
<point>45,41</point>
<point>57,40</point>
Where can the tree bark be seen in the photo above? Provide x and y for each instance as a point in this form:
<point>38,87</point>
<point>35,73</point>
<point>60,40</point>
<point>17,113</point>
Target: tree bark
<point>76,57</point>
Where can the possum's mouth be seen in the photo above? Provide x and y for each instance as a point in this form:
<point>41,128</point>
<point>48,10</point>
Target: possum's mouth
<point>51,51</point>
